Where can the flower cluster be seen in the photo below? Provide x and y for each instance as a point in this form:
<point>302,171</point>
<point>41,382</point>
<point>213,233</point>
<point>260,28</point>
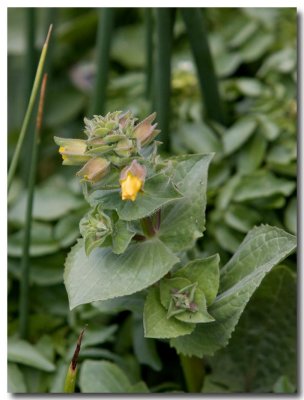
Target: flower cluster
<point>114,141</point>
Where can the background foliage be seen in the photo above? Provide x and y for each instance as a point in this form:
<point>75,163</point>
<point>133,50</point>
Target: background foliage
<point>252,180</point>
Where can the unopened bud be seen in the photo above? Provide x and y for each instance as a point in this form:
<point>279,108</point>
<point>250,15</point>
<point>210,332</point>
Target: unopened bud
<point>145,132</point>
<point>94,170</point>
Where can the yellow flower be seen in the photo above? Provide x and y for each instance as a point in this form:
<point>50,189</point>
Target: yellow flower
<point>130,186</point>
<point>132,179</point>
<point>73,151</point>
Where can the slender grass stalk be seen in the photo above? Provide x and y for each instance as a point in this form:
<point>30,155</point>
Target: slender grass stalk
<point>70,380</point>
<point>104,33</point>
<point>149,51</point>
<point>162,80</point>
<point>25,266</point>
<point>27,117</point>
<point>198,37</point>
<point>194,372</point>
<point>30,69</point>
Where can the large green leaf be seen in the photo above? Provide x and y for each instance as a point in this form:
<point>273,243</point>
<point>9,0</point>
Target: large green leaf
<point>263,346</point>
<point>102,377</point>
<point>22,352</point>
<point>156,323</point>
<point>262,249</point>
<point>50,203</point>
<point>105,275</point>
<point>158,191</point>
<point>42,241</point>
<point>15,379</point>
<point>183,222</point>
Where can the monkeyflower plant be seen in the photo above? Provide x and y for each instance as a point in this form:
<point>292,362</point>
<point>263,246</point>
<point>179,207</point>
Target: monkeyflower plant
<point>139,236</point>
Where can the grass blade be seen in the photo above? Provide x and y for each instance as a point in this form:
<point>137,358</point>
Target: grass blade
<point>149,51</point>
<point>163,71</point>
<point>26,121</point>
<point>70,380</point>
<point>25,266</point>
<point>104,33</point>
<point>197,33</point>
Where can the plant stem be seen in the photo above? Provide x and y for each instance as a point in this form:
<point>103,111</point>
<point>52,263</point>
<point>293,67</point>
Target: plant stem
<point>149,51</point>
<point>25,266</point>
<point>104,33</point>
<point>198,37</point>
<point>27,117</point>
<point>70,380</point>
<point>194,372</point>
<point>163,71</point>
<point>147,226</point>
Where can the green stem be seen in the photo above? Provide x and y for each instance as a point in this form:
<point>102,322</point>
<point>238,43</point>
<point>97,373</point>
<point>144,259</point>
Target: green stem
<point>104,34</point>
<point>198,37</point>
<point>26,121</point>
<point>25,265</point>
<point>194,372</point>
<point>30,67</point>
<point>147,226</point>
<point>149,51</point>
<point>163,71</point>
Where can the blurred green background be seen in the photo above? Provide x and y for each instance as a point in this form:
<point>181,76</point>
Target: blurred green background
<point>252,178</point>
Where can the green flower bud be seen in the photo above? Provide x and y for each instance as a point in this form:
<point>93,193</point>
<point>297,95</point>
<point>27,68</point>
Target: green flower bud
<point>124,148</point>
<point>73,151</point>
<point>95,226</point>
<point>100,126</point>
<point>94,170</point>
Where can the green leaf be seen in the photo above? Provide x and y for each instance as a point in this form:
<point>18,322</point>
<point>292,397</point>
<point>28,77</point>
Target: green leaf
<point>252,154</point>
<point>199,138</point>
<point>98,336</point>
<point>283,385</point>
<point>183,222</point>
<point>156,323</point>
<point>206,273</point>
<point>260,184</point>
<point>22,352</point>
<point>145,349</point>
<point>66,230</point>
<point>105,275</point>
<point>241,217</point>
<point>261,250</point>
<point>158,191</point>
<point>102,377</point>
<point>42,241</point>
<point>238,134</point>
<point>121,236</point>
<point>15,379</point>
<point>290,216</point>
<point>139,387</point>
<point>256,46</point>
<point>50,203</point>
<point>263,346</point>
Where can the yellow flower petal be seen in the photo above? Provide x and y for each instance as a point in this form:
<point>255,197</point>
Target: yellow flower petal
<point>130,186</point>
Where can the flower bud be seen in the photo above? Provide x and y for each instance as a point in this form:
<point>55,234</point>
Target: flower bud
<point>100,126</point>
<point>95,226</point>
<point>94,170</point>
<point>73,151</point>
<point>132,179</point>
<point>124,148</point>
<point>145,132</point>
